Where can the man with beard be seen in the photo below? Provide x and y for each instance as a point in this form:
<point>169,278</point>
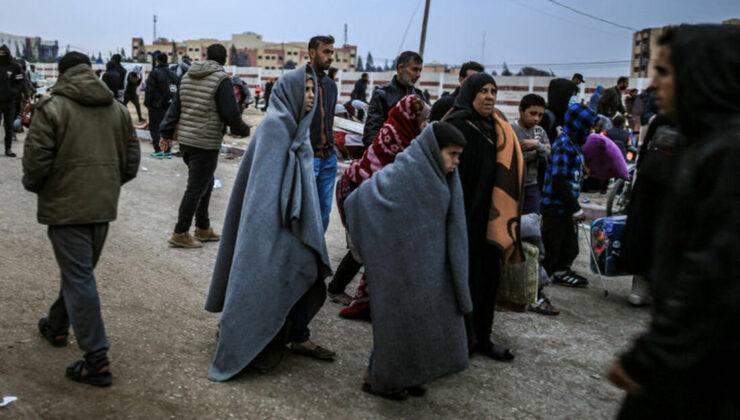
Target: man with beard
<point>611,100</point>
<point>685,364</point>
<point>408,71</point>
<point>321,54</point>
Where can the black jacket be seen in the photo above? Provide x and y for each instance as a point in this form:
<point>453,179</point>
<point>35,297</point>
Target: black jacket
<point>330,101</point>
<point>359,92</point>
<point>384,98</point>
<point>133,80</point>
<point>11,78</point>
<point>158,93</point>
<point>112,78</point>
<point>443,105</point>
<point>620,137</point>
<point>610,102</point>
<point>686,362</point>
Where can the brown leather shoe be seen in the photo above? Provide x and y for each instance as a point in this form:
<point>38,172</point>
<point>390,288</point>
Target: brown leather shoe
<point>184,240</point>
<point>206,235</point>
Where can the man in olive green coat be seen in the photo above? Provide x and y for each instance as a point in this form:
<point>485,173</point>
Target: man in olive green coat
<point>80,149</point>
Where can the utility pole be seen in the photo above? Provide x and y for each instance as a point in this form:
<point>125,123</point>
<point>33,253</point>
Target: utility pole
<point>424,29</point>
<point>155,29</point>
<point>483,49</point>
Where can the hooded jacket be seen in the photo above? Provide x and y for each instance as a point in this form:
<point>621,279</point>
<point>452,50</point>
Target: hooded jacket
<point>111,78</point>
<point>11,77</point>
<point>562,185</point>
<point>80,149</point>
<point>559,92</point>
<point>160,87</point>
<point>384,98</point>
<point>686,363</point>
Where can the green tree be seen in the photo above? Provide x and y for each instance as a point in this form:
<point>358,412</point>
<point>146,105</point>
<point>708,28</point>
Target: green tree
<point>506,71</point>
<point>359,66</point>
<point>531,71</point>
<point>369,64</point>
<point>234,54</point>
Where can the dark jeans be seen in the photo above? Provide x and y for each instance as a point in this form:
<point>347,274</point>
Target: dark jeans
<point>298,331</point>
<point>531,199</point>
<point>6,113</point>
<point>201,167</point>
<point>346,271</point>
<point>77,249</point>
<point>560,237</point>
<point>155,119</point>
<point>133,97</point>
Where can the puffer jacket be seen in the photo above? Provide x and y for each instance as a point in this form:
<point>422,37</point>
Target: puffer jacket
<point>80,149</point>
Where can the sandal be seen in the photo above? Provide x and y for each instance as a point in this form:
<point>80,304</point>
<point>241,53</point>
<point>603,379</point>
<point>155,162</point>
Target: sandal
<point>74,372</point>
<point>569,278</point>
<point>317,352</point>
<point>56,340</point>
<point>544,307</point>
<point>340,298</point>
<point>391,395</point>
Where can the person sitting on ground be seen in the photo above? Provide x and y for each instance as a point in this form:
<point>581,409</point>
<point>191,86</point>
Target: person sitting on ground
<point>619,134</point>
<point>535,147</point>
<point>405,121</point>
<point>419,293</point>
<point>562,187</point>
<point>268,282</point>
<point>81,148</point>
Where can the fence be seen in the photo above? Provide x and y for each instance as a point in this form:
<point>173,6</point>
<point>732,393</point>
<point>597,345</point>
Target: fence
<point>511,89</point>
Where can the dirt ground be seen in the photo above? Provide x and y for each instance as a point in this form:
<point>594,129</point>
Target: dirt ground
<point>163,340</point>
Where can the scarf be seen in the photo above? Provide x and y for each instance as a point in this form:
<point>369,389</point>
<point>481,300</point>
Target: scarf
<point>506,200</point>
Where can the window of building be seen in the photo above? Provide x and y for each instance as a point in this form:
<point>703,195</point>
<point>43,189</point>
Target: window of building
<point>190,49</point>
<point>352,56</point>
<point>280,57</point>
<point>259,57</point>
<point>637,43</point>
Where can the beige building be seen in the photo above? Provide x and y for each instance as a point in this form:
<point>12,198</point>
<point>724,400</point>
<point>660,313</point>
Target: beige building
<point>434,67</point>
<point>645,49</point>
<point>250,48</point>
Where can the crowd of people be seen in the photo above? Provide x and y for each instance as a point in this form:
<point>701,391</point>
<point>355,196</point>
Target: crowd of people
<point>441,200</point>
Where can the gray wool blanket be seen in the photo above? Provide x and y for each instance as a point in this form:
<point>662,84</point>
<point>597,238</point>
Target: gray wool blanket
<point>408,224</point>
<point>272,248</point>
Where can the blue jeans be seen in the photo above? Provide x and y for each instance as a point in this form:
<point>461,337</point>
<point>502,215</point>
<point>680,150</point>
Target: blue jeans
<point>325,171</point>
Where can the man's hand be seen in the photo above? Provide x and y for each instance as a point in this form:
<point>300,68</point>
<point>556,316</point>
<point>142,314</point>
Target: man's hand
<point>529,144</point>
<point>620,379</point>
<point>165,144</point>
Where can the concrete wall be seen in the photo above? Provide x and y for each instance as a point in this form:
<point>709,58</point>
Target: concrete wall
<point>510,88</point>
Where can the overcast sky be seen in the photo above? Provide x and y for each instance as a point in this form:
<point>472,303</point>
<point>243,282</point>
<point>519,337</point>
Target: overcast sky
<point>516,31</point>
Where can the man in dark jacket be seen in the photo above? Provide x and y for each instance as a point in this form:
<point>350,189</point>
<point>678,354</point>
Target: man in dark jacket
<point>685,365</point>
<point>360,90</point>
<point>201,110</point>
<point>11,79</point>
<point>611,100</point>
<point>161,85</point>
<point>321,54</point>
<point>619,134</point>
<point>131,93</point>
<point>408,71</point>
<point>445,103</point>
<point>116,60</point>
<point>111,78</point>
<point>79,151</point>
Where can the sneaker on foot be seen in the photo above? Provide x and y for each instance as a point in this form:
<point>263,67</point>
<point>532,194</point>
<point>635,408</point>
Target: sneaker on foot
<point>569,278</point>
<point>9,153</point>
<point>184,240</point>
<point>206,235</point>
<point>168,154</point>
<point>157,155</point>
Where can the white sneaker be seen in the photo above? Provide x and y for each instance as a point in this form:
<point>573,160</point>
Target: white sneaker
<point>640,293</point>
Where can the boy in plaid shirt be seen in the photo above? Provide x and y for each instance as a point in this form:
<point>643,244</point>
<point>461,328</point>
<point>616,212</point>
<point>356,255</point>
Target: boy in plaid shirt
<point>562,187</point>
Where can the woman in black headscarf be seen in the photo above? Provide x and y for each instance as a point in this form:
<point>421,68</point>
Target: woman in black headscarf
<point>474,116</point>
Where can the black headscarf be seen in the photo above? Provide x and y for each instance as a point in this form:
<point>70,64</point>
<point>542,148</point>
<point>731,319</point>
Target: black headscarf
<point>559,93</point>
<point>5,59</point>
<point>706,65</point>
<point>464,104</point>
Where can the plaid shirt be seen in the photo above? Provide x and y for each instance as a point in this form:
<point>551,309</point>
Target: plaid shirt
<point>565,158</point>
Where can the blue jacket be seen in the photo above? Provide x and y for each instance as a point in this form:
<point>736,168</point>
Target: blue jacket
<point>330,101</point>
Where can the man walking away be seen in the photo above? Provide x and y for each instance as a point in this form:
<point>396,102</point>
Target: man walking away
<point>321,53</point>
<point>131,93</point>
<point>161,85</point>
<point>201,110</point>
<point>111,78</point>
<point>408,71</point>
<point>79,151</point>
<point>611,100</point>
<point>11,80</point>
<point>444,104</point>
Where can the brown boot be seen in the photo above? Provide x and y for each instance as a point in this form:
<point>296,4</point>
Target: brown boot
<point>184,240</point>
<point>206,235</point>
